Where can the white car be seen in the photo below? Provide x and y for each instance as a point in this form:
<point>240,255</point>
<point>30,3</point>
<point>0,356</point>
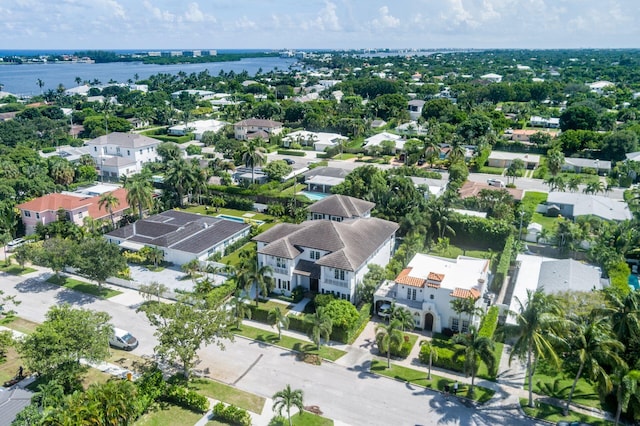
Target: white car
<point>15,243</point>
<point>496,182</point>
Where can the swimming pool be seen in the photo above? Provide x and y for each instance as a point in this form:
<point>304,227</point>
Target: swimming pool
<point>314,196</point>
<point>633,282</point>
<point>240,219</point>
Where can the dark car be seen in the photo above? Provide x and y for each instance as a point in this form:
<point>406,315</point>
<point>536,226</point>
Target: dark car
<point>289,161</point>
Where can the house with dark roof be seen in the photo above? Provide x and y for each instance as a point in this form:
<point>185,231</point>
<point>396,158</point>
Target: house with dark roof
<point>428,285</point>
<point>12,402</point>
<point>180,235</point>
<point>256,128</point>
<point>340,207</point>
<point>326,256</point>
<point>322,179</point>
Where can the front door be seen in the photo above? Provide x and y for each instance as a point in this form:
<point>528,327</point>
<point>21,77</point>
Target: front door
<point>314,285</point>
<point>428,322</point>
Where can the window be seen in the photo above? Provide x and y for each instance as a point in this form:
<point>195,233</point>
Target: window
<point>408,293</point>
<point>80,215</point>
<point>281,263</point>
<point>431,296</point>
<point>95,149</point>
<point>128,153</point>
<point>27,213</point>
<point>413,294</point>
<point>315,255</point>
<point>465,326</point>
<point>454,324</point>
<point>37,215</point>
<point>338,274</point>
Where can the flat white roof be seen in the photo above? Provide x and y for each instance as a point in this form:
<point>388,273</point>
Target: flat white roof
<point>528,276</point>
<point>462,272</point>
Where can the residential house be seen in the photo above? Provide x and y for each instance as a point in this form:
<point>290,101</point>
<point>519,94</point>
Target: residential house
<point>504,159</point>
<point>577,165</point>
<point>493,78</point>
<point>599,86</point>
<point>255,127</point>
<point>339,208</point>
<point>325,256</point>
<point>473,189</point>
<point>572,205</point>
<point>76,206</point>
<point>415,109</point>
<point>378,123</point>
<point>522,135</point>
<point>375,141</point>
<point>412,129</point>
<point>550,123</point>
<point>428,285</point>
<point>180,235</point>
<point>633,156</point>
<point>197,127</point>
<point>322,179</point>
<point>320,140</point>
<point>118,154</point>
<point>12,401</point>
<point>200,94</point>
<point>436,187</point>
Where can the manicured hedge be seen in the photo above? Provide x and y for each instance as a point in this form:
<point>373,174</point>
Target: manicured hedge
<point>489,323</point>
<point>290,152</point>
<point>231,414</point>
<point>505,260</point>
<point>471,230</point>
<point>186,398</point>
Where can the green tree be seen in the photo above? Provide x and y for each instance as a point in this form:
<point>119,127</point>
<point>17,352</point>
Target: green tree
<point>515,168</point>
<point>405,317</point>
<point>578,117</point>
<point>261,276</point>
<point>591,343</point>
<point>288,398</point>
<point>240,308</point>
<point>57,253</point>
<point>428,351</point>
<point>253,155</point>
<point>388,335</point>
<point>108,201</point>
<point>626,387</point>
<point>319,326</point>
<point>537,323</point>
<point>182,328</point>
<point>555,161</point>
<point>154,254</point>
<point>99,259</point>
<point>475,349</point>
<point>139,192</point>
<point>279,319</point>
<point>278,169</point>
<point>67,335</point>
<point>154,288</point>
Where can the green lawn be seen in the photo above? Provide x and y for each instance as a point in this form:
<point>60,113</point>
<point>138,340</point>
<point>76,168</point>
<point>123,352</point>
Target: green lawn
<point>453,252</point>
<point>229,394</point>
<point>15,269</point>
<point>19,324</point>
<point>492,170</point>
<point>9,365</point>
<point>168,415</point>
<point>446,348</point>
<point>270,304</point>
<point>287,342</point>
<point>558,387</point>
<point>419,378</point>
<point>304,418</point>
<point>233,259</point>
<point>553,414</point>
<point>550,223</point>
<point>83,287</point>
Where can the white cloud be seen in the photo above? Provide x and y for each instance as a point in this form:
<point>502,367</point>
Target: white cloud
<point>245,23</point>
<point>385,20</point>
<point>194,14</point>
<point>327,19</point>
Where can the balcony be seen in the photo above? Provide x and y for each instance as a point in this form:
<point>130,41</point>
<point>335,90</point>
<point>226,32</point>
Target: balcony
<point>281,271</point>
<point>337,283</point>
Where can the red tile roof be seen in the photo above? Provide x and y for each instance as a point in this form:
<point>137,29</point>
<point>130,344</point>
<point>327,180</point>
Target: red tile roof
<point>56,201</point>
<point>472,189</point>
<point>404,278</point>
<point>435,277</point>
<point>463,293</point>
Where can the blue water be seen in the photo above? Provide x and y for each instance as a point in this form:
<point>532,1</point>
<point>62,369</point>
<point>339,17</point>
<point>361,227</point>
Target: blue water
<point>23,79</point>
<point>314,196</point>
<point>633,282</point>
<point>239,219</point>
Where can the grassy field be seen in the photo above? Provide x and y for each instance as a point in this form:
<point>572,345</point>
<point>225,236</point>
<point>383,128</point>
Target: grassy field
<point>585,393</point>
<point>287,342</point>
<point>549,223</point>
<point>168,415</point>
<point>229,394</point>
<point>453,252</point>
<point>83,287</point>
<point>553,414</point>
<point>14,269</point>
<point>9,367</point>
<point>234,258</point>
<point>302,419</point>
<point>19,324</point>
<point>419,378</point>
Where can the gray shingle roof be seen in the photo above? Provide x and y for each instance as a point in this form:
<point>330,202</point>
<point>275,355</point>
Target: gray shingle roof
<point>595,205</point>
<point>349,243</point>
<point>342,205</point>
<point>124,140</point>
<point>12,402</point>
<point>568,274</point>
<point>188,232</point>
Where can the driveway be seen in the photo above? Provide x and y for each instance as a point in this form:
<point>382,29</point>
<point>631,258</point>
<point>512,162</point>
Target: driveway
<point>172,277</point>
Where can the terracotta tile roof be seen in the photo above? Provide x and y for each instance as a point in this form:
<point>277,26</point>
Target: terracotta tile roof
<point>435,277</point>
<point>472,189</point>
<point>463,293</point>
<point>56,201</point>
<point>404,278</point>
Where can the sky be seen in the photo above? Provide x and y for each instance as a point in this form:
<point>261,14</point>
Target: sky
<point>318,24</point>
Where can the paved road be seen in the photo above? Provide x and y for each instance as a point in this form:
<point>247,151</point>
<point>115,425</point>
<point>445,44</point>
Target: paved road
<point>345,393</point>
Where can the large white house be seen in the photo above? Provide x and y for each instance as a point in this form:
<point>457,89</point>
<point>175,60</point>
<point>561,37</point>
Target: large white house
<point>326,256</point>
<point>427,286</point>
<point>118,154</point>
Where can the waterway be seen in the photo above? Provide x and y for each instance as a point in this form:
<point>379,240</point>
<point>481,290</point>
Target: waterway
<point>22,79</point>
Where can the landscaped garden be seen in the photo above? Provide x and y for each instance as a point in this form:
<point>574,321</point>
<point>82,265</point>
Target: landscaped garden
<point>552,414</point>
<point>14,269</point>
<point>83,286</point>
<point>228,394</point>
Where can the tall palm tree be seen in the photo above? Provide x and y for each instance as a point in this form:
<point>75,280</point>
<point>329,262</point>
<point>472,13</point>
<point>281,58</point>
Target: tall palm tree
<point>405,317</point>
<point>624,314</point>
<point>288,398</point>
<point>261,276</point>
<point>626,386</point>
<point>388,335</point>
<point>555,160</point>
<point>320,326</point>
<point>431,352</point>
<point>139,192</point>
<point>279,319</point>
<point>591,341</point>
<point>537,322</point>
<point>475,349</point>
<point>108,201</point>
<point>253,154</point>
<point>178,177</point>
<point>240,308</point>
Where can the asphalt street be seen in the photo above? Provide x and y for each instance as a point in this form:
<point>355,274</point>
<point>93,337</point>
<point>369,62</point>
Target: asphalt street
<point>347,393</point>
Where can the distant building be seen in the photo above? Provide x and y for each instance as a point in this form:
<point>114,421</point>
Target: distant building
<point>118,154</point>
<point>340,207</point>
<point>494,78</point>
<point>504,159</point>
<point>551,123</point>
<point>577,165</point>
<point>415,109</point>
<point>255,127</point>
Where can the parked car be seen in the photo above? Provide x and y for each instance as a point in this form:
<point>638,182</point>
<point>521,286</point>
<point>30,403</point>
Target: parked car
<point>122,339</point>
<point>496,182</point>
<point>15,243</point>
<point>289,161</point>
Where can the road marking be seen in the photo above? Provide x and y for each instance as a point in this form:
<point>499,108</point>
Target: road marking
<point>248,369</point>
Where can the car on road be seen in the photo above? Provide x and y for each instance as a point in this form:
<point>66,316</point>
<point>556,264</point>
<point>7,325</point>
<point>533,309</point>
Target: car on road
<point>496,182</point>
<point>289,161</point>
<point>122,339</point>
<point>15,243</point>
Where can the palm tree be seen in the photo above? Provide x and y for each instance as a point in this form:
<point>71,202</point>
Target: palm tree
<point>253,154</point>
<point>155,255</point>
<point>626,386</point>
<point>624,315</point>
<point>405,317</point>
<point>555,160</point>
<point>240,308</point>
<point>109,201</point>
<point>40,84</point>
<point>178,177</point>
<point>261,276</point>
<point>592,343</point>
<point>388,335</point>
<point>320,326</point>
<point>191,268</point>
<point>279,319</point>
<point>139,192</point>
<point>288,398</point>
<point>475,349</point>
<point>537,321</point>
<point>430,351</point>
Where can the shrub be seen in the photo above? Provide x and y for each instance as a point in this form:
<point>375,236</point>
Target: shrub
<point>151,383</point>
<point>231,414</point>
<point>134,257</point>
<point>489,323</point>
<point>322,300</point>
<point>619,277</point>
<point>505,260</point>
<point>238,203</point>
<point>290,152</point>
<point>236,245</point>
<point>298,294</point>
<point>186,398</point>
